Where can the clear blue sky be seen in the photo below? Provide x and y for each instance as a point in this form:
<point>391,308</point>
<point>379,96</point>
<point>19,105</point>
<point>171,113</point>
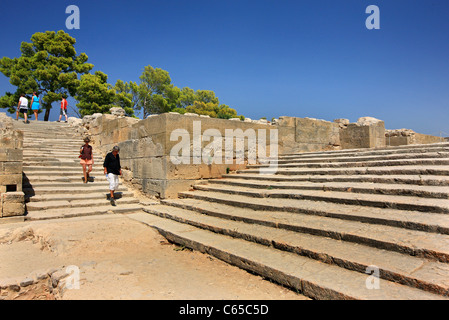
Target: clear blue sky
<point>300,58</point>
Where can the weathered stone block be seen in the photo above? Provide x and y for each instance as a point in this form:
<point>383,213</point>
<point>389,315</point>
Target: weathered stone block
<point>13,209</point>
<point>287,121</point>
<point>11,167</point>
<point>11,162</point>
<point>11,179</point>
<point>363,136</point>
<point>17,197</point>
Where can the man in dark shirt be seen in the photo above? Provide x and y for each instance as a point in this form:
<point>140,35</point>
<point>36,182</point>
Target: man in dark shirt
<point>112,170</point>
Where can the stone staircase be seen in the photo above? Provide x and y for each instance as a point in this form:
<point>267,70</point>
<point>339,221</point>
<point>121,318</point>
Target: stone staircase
<point>53,178</point>
<point>352,224</point>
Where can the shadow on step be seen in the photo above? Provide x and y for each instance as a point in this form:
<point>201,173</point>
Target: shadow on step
<point>117,195</point>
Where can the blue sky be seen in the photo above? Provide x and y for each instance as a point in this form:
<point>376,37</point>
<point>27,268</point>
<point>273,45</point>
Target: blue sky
<point>266,58</point>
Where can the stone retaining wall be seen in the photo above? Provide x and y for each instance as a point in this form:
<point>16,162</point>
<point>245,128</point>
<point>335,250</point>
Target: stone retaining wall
<point>313,135</point>
<point>367,132</point>
<point>401,137</point>
<point>39,285</point>
<point>307,135</point>
<point>12,199</point>
<point>147,147</point>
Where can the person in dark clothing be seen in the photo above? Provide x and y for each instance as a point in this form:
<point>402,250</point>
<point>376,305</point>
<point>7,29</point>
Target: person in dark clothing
<point>112,170</point>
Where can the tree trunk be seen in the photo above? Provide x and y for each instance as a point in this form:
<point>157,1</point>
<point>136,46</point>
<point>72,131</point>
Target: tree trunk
<point>47,112</point>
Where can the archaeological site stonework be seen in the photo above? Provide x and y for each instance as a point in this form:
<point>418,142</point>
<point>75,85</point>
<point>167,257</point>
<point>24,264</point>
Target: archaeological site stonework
<point>146,144</point>
<point>146,147</point>
<point>11,157</point>
<point>331,209</point>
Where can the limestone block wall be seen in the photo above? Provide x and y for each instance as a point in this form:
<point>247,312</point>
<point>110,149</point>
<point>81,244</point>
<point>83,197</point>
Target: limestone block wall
<point>401,137</point>
<point>312,135</point>
<point>363,134</point>
<point>147,147</point>
<point>12,199</point>
<point>307,135</point>
<point>426,139</point>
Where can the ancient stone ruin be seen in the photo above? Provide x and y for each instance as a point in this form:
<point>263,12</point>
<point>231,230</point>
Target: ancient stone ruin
<point>346,209</point>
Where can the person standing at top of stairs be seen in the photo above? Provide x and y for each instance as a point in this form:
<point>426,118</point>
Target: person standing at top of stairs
<point>22,107</point>
<point>35,104</point>
<point>63,112</point>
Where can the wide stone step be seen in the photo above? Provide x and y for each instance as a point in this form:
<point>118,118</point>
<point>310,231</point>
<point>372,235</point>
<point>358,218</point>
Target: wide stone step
<point>96,168</point>
<point>413,220</point>
<point>36,186</point>
<point>32,127</point>
<point>54,144</point>
<point>83,211</point>
<point>424,148</point>
<point>52,159</point>
<point>51,135</point>
<point>96,172</point>
<point>438,192</point>
<point>373,200</point>
<point>312,278</point>
<point>393,170</point>
<point>68,205</point>
<point>69,194</point>
<point>424,180</point>
<point>32,179</point>
<point>57,144</point>
<point>375,163</point>
<point>268,231</point>
<point>417,243</point>
<point>50,150</point>
<point>54,163</point>
<point>55,154</point>
<point>364,158</point>
<point>41,123</point>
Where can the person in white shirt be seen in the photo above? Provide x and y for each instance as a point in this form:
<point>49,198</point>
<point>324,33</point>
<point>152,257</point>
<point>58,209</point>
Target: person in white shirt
<point>22,107</point>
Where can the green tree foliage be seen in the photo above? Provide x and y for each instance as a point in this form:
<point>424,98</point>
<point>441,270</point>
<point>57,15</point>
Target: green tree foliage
<point>48,65</point>
<point>94,95</point>
<point>212,109</point>
<point>203,102</point>
<point>124,97</point>
<point>156,94</point>
<point>150,95</point>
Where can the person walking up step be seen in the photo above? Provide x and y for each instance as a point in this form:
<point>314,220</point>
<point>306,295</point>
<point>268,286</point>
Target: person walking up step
<point>87,160</point>
<point>63,112</point>
<point>112,170</point>
<point>22,107</point>
<point>35,104</point>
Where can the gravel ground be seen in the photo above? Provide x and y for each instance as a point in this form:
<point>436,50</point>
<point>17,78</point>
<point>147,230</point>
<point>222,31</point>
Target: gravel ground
<point>119,258</point>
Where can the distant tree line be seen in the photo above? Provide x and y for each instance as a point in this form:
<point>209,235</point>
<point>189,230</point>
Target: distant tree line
<point>50,66</point>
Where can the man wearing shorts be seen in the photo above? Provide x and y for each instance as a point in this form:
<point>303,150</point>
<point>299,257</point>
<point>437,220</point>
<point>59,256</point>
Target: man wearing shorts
<point>22,107</point>
<point>63,109</point>
<point>112,170</point>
